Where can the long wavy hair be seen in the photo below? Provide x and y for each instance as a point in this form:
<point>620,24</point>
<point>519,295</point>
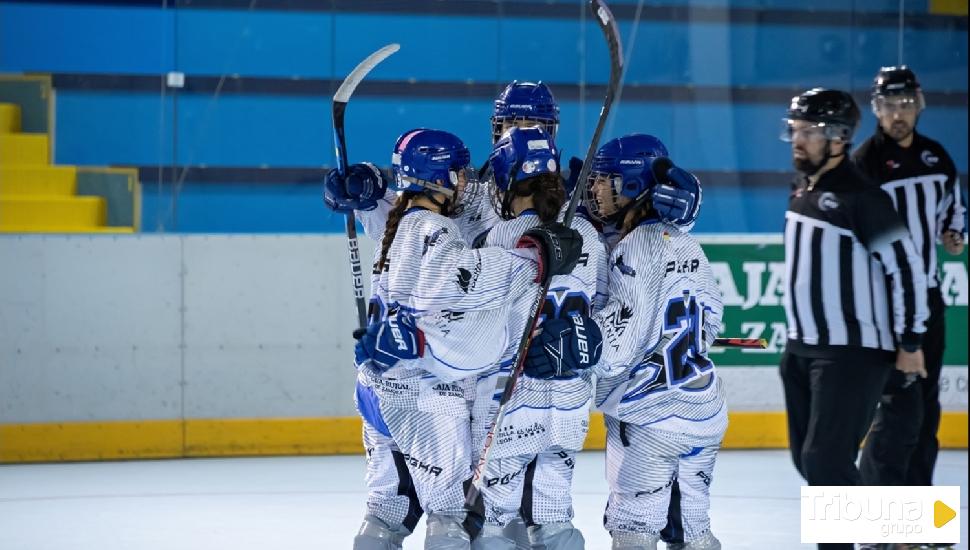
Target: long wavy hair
<point>547,194</point>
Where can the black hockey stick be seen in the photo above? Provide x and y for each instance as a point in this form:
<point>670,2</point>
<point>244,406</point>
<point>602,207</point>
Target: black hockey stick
<point>607,24</point>
<point>340,100</point>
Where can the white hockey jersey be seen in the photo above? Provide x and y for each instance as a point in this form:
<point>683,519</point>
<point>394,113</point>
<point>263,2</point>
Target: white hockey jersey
<point>663,313</point>
<point>458,293</point>
<point>474,222</point>
<point>479,215</point>
<point>542,413</point>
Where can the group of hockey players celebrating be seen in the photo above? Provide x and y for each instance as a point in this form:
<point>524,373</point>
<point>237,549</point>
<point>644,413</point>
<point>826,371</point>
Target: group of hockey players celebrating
<point>631,310</point>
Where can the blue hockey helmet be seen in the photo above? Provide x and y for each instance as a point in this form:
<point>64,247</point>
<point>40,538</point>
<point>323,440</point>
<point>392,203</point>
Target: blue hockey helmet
<point>431,161</point>
<point>529,102</point>
<point>520,154</point>
<point>629,165</point>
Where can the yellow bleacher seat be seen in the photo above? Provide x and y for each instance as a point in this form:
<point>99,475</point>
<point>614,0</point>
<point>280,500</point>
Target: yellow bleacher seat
<point>24,149</point>
<point>37,180</point>
<point>79,213</point>
<point>9,118</point>
<point>37,197</point>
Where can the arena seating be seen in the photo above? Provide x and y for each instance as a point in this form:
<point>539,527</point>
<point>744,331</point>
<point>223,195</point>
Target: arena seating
<point>37,196</point>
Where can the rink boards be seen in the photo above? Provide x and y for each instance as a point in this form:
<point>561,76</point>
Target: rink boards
<point>208,345</point>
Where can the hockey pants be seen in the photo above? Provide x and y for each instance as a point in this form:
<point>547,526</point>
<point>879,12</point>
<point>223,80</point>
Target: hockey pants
<point>535,489</point>
<point>437,453</point>
<point>644,463</point>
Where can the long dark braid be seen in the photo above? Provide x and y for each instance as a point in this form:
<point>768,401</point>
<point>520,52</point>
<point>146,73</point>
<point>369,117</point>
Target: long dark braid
<point>390,229</point>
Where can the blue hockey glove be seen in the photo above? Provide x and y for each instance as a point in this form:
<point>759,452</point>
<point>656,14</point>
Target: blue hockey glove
<point>564,347</point>
<point>359,189</point>
<point>384,344</point>
<point>678,197</point>
<point>575,167</point>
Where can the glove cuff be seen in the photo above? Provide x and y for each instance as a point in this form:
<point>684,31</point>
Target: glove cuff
<point>419,339</point>
<point>526,241</point>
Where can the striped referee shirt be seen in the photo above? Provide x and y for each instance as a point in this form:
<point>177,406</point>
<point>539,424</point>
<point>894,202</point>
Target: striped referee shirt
<point>922,182</point>
<point>855,280</point>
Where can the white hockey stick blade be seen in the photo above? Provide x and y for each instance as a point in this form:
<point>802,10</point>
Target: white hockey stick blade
<point>350,83</point>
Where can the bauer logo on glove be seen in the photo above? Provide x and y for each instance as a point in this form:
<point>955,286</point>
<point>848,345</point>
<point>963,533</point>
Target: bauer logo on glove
<point>564,347</point>
<point>386,343</point>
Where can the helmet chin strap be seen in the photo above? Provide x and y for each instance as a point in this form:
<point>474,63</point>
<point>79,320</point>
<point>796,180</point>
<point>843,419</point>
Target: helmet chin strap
<point>443,206</point>
<point>619,216</point>
<point>508,196</point>
<point>826,155</point>
<point>446,207</point>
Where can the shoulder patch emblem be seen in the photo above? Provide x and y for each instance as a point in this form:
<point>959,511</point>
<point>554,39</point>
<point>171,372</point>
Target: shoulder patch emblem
<point>929,158</point>
<point>827,201</point>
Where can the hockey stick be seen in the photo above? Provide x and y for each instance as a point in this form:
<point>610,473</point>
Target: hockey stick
<point>607,23</point>
<point>750,343</point>
<point>340,100</point>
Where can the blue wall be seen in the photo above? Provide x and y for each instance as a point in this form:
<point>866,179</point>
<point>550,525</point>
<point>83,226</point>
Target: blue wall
<point>139,126</point>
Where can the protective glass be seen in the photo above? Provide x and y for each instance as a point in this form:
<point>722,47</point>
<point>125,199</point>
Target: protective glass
<point>885,105</point>
<point>601,195</point>
<point>501,124</point>
<point>812,132</point>
<point>469,189</point>
<point>462,186</point>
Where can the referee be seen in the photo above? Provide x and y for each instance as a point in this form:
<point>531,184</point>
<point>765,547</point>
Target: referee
<point>855,291</point>
<point>921,180</point>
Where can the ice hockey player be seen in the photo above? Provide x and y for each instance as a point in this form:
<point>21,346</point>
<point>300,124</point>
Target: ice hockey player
<point>529,472</point>
<point>426,270</point>
<point>660,393</point>
<point>525,104</point>
<point>363,191</point>
<point>392,504</point>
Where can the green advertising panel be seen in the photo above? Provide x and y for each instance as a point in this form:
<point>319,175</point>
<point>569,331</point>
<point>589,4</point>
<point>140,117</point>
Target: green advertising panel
<point>751,276</point>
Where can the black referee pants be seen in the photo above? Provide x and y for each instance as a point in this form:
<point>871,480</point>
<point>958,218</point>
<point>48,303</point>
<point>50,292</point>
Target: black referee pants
<point>902,446</point>
<point>830,405</point>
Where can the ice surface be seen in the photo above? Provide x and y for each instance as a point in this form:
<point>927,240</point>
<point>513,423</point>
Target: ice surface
<point>297,503</point>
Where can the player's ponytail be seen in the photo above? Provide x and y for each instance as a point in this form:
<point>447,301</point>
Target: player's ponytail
<point>390,229</point>
<point>548,195</point>
<point>637,215</point>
